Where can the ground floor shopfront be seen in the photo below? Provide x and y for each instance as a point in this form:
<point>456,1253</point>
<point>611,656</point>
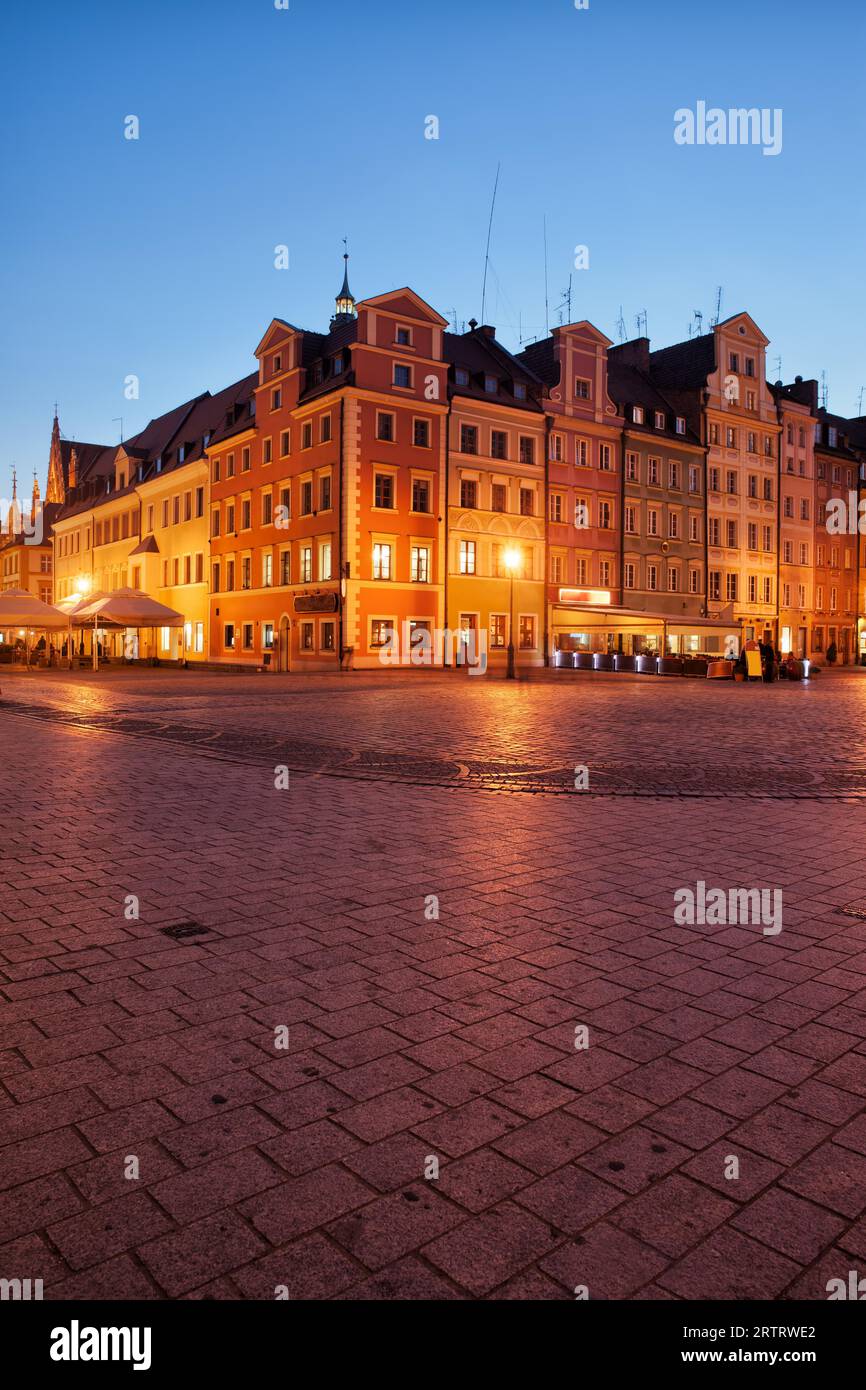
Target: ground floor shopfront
<point>633,632</point>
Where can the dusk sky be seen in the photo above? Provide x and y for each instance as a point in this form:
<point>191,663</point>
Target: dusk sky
<point>261,126</point>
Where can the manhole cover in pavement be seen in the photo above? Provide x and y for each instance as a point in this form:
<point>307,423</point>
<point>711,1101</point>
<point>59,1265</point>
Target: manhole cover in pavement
<point>182,929</point>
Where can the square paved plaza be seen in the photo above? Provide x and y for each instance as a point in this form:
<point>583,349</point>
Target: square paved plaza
<point>431,1025</point>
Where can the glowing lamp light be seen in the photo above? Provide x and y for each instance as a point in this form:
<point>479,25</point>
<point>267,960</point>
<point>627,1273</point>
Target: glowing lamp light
<point>512,560</point>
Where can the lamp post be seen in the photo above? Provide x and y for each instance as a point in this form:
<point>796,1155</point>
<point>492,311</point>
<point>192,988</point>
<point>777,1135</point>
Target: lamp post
<point>82,589</point>
<point>512,559</point>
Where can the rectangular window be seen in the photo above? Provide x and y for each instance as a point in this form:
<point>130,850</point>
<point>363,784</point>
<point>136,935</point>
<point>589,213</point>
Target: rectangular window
<point>326,633</point>
<point>467,557</point>
<point>285,567</point>
<point>604,457</point>
<point>468,492</point>
<point>325,429</point>
<point>267,570</point>
<point>246,514</point>
<point>420,495</point>
<point>383,491</point>
<point>307,435</point>
<point>421,434</point>
<point>402,376</point>
<point>631,467</point>
<point>246,572</point>
<point>228,635</point>
<point>385,427</point>
<point>420,572</point>
<point>468,439</point>
<point>498,497</point>
<point>307,637</point>
<point>306,575</point>
<point>284,443</point>
<point>497,629</point>
<point>267,508</point>
<point>527,450</point>
<point>555,505</point>
<point>381,631</point>
<point>527,631</point>
<point>267,450</point>
<point>325,493</point>
<point>325,560</point>
<point>499,444</point>
<point>306,497</point>
<point>381,561</point>
<point>527,501</point>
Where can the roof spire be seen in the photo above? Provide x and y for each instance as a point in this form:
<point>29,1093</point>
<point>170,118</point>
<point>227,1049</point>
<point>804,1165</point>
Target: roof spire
<point>345,301</point>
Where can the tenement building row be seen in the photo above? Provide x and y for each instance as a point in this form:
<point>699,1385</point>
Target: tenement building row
<point>389,478</point>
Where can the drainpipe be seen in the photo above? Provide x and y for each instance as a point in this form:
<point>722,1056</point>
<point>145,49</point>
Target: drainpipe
<point>778,523</point>
<point>622,517</point>
<point>546,505</point>
<point>706,449</point>
<point>446,425</point>
<point>340,575</point>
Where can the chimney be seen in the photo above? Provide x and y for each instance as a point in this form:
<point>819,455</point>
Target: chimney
<point>634,353</point>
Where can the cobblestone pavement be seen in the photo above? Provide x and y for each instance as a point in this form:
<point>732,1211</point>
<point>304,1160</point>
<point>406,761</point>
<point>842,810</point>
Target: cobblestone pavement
<point>413,1038</point>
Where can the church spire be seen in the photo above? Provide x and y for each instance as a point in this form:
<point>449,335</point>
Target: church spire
<point>56,488</point>
<point>345,299</point>
<point>13,520</point>
<point>36,503</point>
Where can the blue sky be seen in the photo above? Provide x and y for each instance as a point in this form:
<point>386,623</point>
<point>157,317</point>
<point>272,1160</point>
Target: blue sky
<point>261,127</point>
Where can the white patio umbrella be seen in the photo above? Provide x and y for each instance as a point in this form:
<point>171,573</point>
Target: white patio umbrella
<point>72,606</point>
<point>128,608</point>
<point>19,608</point>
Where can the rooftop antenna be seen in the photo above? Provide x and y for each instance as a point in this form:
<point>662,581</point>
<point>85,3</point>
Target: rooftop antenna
<point>640,319</point>
<point>487,251</point>
<point>546,309</point>
<point>779,367</point>
<point>620,326</point>
<point>115,419</point>
<point>824,389</point>
<point>860,402</point>
<point>718,314</point>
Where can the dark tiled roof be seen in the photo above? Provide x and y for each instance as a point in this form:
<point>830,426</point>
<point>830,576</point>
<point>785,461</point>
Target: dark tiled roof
<point>540,359</point>
<point>237,412</point>
<point>146,547</point>
<point>479,353</point>
<point>685,366</point>
<point>628,386</point>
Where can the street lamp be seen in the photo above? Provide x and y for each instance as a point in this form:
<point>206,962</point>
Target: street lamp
<point>83,584</point>
<point>512,559</point>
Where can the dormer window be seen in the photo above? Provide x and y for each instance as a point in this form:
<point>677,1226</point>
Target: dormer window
<point>461,376</point>
<point>121,481</point>
<point>338,364</point>
<point>581,389</point>
<point>519,391</point>
<point>637,414</point>
<point>205,440</point>
<point>277,364</point>
<point>252,405</point>
<point>832,436</point>
<point>181,453</point>
<point>404,337</point>
<point>491,385</point>
<point>681,424</point>
<point>660,419</point>
<point>159,464</point>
